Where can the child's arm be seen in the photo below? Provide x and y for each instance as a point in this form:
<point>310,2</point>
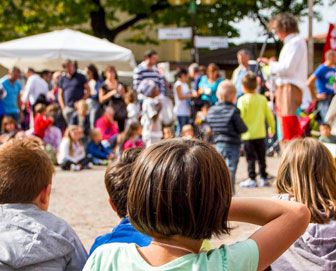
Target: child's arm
<point>238,123</point>
<point>270,118</point>
<point>282,223</point>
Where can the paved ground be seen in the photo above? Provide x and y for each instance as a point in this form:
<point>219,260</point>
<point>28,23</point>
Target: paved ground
<point>81,199</point>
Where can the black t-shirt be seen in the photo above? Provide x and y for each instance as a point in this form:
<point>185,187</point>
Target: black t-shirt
<point>73,88</point>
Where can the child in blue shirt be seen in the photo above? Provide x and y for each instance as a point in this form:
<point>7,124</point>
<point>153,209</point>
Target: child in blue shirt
<point>180,194</point>
<point>117,178</point>
<point>99,154</point>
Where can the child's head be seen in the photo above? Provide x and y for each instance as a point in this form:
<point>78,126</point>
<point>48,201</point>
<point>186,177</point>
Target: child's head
<point>73,133</point>
<point>133,131</point>
<point>82,108</point>
<point>130,97</point>
<point>205,109</point>
<point>25,173</point>
<point>182,74</point>
<point>180,187</point>
<point>8,125</point>
<point>95,135</point>
<point>117,179</point>
<point>109,113</point>
<point>187,131</point>
<point>40,108</point>
<point>308,174</point>
<point>148,88</point>
<point>226,91</point>
<point>325,130</point>
<point>249,82</point>
<point>167,132</point>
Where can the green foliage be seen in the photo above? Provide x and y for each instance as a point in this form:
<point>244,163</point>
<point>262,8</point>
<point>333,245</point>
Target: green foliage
<point>100,17</point>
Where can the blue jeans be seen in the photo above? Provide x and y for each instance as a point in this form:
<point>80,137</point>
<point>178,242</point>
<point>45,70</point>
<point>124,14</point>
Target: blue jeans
<point>231,154</point>
<point>181,121</point>
<point>323,106</point>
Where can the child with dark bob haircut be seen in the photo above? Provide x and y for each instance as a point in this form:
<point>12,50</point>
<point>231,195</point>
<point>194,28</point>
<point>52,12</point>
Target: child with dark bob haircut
<point>31,238</point>
<point>180,193</point>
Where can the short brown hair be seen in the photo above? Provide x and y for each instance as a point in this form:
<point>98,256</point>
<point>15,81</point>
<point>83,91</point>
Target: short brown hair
<point>117,179</point>
<point>40,108</point>
<point>25,170</point>
<point>284,22</point>
<point>180,187</point>
<point>308,174</point>
<point>249,81</point>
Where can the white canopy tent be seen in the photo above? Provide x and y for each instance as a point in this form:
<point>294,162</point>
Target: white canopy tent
<point>49,50</point>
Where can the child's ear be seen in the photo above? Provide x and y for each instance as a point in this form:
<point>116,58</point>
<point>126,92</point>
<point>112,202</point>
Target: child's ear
<point>112,205</point>
<point>42,200</point>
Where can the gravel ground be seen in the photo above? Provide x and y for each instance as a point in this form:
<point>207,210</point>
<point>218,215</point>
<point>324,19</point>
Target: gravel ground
<point>80,198</point>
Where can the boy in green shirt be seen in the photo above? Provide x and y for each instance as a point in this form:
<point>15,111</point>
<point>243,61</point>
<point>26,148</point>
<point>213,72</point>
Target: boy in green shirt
<point>254,111</point>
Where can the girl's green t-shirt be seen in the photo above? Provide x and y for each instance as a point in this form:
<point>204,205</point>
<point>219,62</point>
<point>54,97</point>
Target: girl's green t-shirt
<point>239,256</point>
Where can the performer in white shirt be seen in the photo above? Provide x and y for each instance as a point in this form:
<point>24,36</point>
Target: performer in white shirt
<point>291,71</point>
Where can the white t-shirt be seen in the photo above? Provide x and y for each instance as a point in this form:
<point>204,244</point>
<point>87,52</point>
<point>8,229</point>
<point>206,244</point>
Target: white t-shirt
<point>64,154</point>
<point>150,128</point>
<point>34,87</point>
<point>182,107</point>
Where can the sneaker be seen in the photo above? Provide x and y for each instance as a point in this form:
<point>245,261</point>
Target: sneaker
<point>75,167</point>
<point>89,166</point>
<point>264,182</point>
<point>249,183</point>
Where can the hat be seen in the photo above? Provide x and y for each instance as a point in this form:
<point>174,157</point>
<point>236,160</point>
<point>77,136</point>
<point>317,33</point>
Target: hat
<point>147,87</point>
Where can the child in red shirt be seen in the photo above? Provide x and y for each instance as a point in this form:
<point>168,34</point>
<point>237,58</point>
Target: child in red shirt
<point>41,122</point>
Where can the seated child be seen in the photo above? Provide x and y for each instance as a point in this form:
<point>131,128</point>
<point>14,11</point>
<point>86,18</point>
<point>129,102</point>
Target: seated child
<point>9,128</point>
<point>107,126</point>
<point>41,121</point>
<point>81,118</point>
<point>99,154</point>
<point>168,132</point>
<point>179,224</point>
<point>307,174</point>
<point>31,238</point>
<point>326,136</point>
<point>53,134</point>
<point>117,178</point>
<point>130,138</point>
<point>71,153</point>
<point>254,111</point>
<point>227,126</point>
<point>187,131</point>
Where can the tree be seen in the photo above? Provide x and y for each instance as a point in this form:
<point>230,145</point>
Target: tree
<point>100,17</point>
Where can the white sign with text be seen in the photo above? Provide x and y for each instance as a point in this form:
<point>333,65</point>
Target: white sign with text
<point>211,42</point>
<point>181,33</point>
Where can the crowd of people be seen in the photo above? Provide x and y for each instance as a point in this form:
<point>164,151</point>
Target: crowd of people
<point>173,195</point>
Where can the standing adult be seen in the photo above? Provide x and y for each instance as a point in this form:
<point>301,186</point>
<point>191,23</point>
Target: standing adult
<point>11,102</point>
<point>112,93</point>
<point>324,76</point>
<point>209,84</point>
<point>35,87</point>
<point>291,71</point>
<point>243,57</point>
<point>148,70</point>
<point>93,103</point>
<point>182,95</point>
<point>73,87</point>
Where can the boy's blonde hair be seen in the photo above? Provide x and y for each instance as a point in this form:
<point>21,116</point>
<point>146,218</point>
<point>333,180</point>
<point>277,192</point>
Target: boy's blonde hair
<point>82,105</point>
<point>249,81</point>
<point>186,128</point>
<point>308,174</point>
<point>94,133</point>
<point>226,91</point>
<point>25,170</point>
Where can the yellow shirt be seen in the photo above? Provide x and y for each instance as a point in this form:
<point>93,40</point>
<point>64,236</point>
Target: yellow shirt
<point>254,111</point>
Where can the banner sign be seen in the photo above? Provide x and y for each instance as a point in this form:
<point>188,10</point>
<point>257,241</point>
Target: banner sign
<point>211,42</point>
<point>330,43</point>
<point>181,33</point>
